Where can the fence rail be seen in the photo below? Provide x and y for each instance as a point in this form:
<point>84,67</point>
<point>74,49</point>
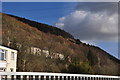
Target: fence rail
<point>52,76</point>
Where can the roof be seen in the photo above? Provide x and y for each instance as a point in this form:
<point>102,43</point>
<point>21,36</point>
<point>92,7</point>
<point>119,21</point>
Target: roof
<point>8,48</point>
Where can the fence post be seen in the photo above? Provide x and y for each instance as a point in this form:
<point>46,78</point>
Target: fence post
<point>39,77</point>
<point>21,77</point>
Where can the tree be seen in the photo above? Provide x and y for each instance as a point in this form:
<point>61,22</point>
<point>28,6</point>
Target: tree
<point>78,41</point>
<point>91,58</point>
<point>79,68</point>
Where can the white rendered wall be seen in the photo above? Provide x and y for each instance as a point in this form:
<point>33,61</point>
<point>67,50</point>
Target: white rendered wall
<point>9,63</point>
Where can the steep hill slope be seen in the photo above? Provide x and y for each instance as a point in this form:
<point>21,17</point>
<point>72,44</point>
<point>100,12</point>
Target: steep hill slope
<point>57,50</point>
<point>44,27</point>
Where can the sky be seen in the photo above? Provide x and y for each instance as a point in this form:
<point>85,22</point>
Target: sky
<point>95,23</point>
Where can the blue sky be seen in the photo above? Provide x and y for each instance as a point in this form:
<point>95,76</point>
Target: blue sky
<point>92,18</point>
<point>45,12</point>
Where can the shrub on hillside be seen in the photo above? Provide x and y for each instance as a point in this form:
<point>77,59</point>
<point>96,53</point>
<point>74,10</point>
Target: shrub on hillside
<point>79,68</point>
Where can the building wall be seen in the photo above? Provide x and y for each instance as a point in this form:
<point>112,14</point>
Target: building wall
<point>52,55</point>
<point>9,64</point>
<point>35,50</point>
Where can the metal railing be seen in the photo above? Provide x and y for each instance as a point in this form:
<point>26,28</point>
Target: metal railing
<point>52,76</point>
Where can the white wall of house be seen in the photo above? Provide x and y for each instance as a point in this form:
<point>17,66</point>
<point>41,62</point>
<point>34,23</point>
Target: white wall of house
<point>35,50</point>
<point>8,59</point>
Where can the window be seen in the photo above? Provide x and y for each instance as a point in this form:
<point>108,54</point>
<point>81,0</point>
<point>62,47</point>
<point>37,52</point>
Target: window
<point>2,69</point>
<point>11,69</point>
<point>12,55</point>
<point>2,54</point>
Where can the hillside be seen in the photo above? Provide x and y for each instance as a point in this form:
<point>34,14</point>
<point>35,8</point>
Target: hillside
<point>57,50</point>
<point>44,27</point>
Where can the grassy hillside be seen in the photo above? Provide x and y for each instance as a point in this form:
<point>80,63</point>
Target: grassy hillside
<point>23,34</point>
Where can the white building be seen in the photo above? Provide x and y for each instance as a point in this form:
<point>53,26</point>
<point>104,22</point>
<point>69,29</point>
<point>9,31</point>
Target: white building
<point>8,59</point>
<point>35,50</point>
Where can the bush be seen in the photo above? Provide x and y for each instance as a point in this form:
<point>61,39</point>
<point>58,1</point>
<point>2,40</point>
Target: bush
<point>91,58</point>
<point>79,68</point>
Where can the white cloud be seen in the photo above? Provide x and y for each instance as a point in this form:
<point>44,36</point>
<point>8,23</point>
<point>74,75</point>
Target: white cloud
<point>87,25</point>
<point>60,25</point>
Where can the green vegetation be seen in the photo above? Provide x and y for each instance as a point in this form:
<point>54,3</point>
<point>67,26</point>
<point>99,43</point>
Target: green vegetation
<point>91,58</point>
<point>79,68</point>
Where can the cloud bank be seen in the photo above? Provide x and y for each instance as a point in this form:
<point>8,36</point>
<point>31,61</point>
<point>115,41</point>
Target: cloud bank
<point>92,21</point>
